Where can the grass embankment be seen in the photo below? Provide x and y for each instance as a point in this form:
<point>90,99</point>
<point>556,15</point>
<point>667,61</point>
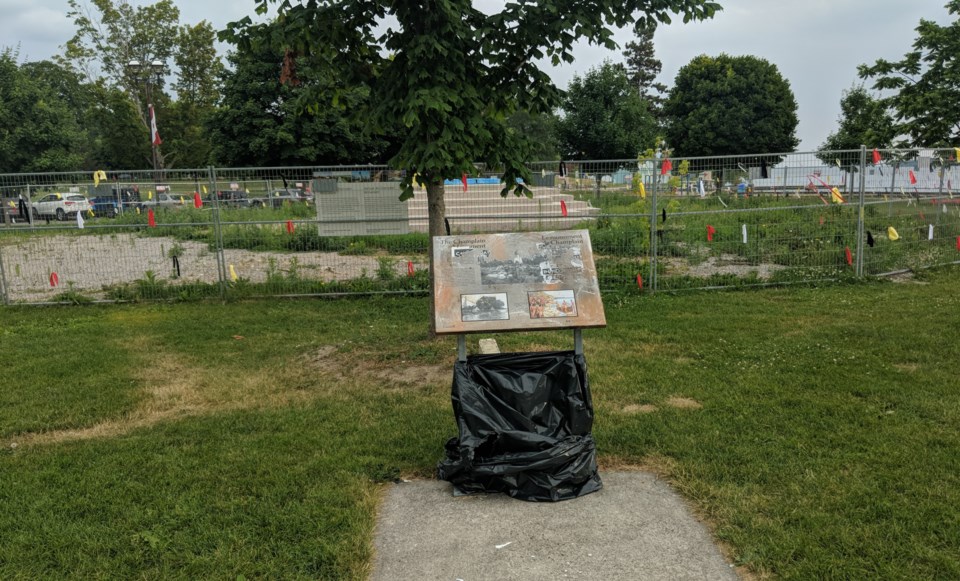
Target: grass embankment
<point>816,429</point>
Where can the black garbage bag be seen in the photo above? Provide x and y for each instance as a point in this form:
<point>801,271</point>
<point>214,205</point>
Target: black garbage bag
<point>524,421</point>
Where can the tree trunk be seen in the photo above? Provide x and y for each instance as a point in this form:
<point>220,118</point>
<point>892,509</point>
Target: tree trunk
<point>436,212</point>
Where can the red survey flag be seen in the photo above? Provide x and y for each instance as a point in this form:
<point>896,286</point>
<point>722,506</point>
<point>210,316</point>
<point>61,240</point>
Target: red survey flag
<point>55,280</point>
<point>849,255</point>
<point>913,177</point>
<point>410,268</point>
<point>876,156</point>
<point>666,168</point>
<point>710,232</point>
<point>151,220</point>
<point>463,178</point>
<point>154,134</point>
<point>563,208</point>
<point>640,280</point>
<point>290,227</point>
<point>197,202</point>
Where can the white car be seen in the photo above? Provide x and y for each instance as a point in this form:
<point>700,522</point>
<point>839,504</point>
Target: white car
<point>60,206</point>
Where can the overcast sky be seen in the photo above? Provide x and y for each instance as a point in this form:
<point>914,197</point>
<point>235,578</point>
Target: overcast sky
<point>816,44</point>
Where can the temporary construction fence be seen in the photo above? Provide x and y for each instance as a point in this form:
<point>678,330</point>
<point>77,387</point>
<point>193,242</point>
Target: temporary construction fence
<point>661,223</point>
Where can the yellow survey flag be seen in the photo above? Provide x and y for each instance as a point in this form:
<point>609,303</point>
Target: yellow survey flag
<point>835,196</point>
<point>90,213</point>
<point>181,200</point>
<point>204,189</point>
<point>138,211</point>
<point>233,274</point>
<point>99,176</point>
<point>643,192</point>
<point>150,194</point>
<point>892,234</point>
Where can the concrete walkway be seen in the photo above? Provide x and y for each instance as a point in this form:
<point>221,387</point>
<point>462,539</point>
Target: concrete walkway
<point>636,528</point>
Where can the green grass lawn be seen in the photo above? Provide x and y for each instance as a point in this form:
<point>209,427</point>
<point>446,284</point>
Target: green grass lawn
<point>816,429</point>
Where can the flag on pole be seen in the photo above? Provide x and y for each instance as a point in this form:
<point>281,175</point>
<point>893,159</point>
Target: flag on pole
<point>154,134</point>
<point>876,156</point>
<point>892,233</point>
<point>913,178</point>
<point>849,255</point>
<point>710,232</point>
<point>290,227</point>
<point>930,233</point>
<point>743,228</point>
<point>666,168</point>
<point>151,219</point>
<point>463,178</point>
<point>640,278</point>
<point>80,220</point>
<point>701,188</point>
<point>197,202</point>
<point>55,280</point>
<point>835,196</point>
<point>563,208</point>
<point>410,270</point>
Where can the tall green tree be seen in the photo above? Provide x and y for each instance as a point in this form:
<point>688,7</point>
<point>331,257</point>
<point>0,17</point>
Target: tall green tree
<point>40,111</point>
<point>452,74</point>
<point>197,88</point>
<point>604,117</point>
<point>864,120</point>
<point>643,67</point>
<point>110,34</point>
<point>259,121</point>
<point>924,87</point>
<point>727,105</point>
<point>541,132</point>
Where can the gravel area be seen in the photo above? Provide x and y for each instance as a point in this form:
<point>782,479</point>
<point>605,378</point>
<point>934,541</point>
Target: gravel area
<point>87,263</point>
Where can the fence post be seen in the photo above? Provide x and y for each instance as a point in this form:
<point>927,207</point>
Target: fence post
<point>218,234</point>
<point>860,209</point>
<point>3,279</point>
<point>653,234</point>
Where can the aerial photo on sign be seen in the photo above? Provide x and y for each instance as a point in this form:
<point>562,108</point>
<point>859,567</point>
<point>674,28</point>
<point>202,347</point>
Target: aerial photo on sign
<point>515,282</point>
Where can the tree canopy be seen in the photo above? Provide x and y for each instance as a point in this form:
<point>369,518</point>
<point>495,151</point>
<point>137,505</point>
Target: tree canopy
<point>112,33</point>
<point>41,108</point>
<point>604,116</point>
<point>642,69</point>
<point>923,88</point>
<point>259,122</point>
<point>728,105</point>
<point>864,120</point>
<point>452,74</point>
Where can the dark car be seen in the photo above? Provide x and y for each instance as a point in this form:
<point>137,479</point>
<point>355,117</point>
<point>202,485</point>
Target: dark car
<point>232,199</point>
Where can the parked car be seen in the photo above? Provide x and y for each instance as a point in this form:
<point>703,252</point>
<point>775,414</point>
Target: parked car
<point>293,195</point>
<point>10,211</point>
<point>161,200</point>
<point>60,206</point>
<point>232,199</point>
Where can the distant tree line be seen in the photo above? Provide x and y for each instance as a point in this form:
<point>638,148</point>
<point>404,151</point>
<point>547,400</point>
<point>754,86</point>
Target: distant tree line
<point>87,109</point>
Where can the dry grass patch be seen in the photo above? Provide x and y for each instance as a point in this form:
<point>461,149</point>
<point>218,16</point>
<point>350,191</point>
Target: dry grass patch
<point>684,403</point>
<point>639,409</point>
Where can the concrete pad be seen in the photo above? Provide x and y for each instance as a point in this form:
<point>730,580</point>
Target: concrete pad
<point>637,527</point>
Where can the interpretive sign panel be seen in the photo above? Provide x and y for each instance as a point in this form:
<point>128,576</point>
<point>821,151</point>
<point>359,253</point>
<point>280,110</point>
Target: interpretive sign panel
<point>515,282</point>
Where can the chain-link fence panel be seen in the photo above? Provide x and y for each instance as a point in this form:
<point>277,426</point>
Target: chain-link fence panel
<point>658,222</point>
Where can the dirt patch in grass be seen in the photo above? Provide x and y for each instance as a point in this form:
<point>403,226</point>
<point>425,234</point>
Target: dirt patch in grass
<point>724,264</point>
<point>639,409</point>
<point>907,367</point>
<point>88,263</point>
<point>417,374</point>
<point>684,403</point>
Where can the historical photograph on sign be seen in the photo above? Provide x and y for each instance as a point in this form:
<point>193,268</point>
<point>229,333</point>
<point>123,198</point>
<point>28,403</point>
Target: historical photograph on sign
<point>484,307</point>
<point>535,269</point>
<point>551,304</point>
<point>515,281</point>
